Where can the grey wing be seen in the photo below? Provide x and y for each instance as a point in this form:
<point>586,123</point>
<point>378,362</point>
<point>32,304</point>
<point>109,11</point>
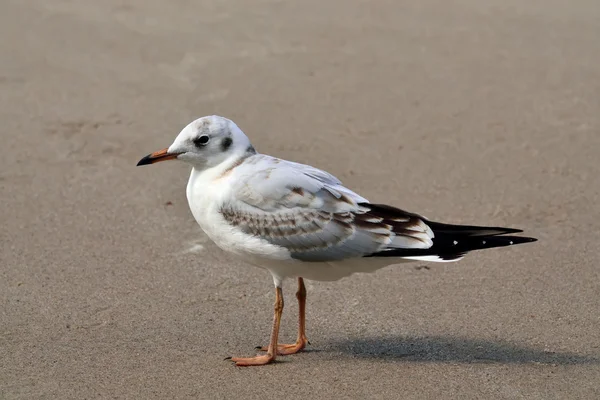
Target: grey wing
<point>314,217</point>
<point>365,234</point>
<point>311,235</point>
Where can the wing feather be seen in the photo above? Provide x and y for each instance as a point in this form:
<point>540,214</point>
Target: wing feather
<point>310,213</point>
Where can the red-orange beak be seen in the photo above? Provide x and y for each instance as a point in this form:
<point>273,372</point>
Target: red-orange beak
<point>157,156</point>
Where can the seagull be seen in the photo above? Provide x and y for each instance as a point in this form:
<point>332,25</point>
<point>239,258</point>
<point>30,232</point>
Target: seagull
<point>298,221</point>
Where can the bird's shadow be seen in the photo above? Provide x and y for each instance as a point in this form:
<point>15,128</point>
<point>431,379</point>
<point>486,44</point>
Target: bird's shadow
<point>453,350</point>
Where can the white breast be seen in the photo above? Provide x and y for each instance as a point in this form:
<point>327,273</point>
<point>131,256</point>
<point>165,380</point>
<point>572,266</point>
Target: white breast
<point>205,197</point>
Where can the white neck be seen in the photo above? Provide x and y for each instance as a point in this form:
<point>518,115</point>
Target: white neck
<point>220,169</point>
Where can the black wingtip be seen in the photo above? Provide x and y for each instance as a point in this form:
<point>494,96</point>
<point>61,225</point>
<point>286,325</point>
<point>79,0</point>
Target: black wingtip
<point>510,239</point>
<point>456,248</point>
<point>522,239</point>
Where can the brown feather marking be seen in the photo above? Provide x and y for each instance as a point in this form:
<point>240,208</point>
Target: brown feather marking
<point>346,199</point>
<point>400,222</point>
<point>298,190</point>
<point>228,170</point>
<point>368,222</point>
<point>277,225</point>
<point>268,172</point>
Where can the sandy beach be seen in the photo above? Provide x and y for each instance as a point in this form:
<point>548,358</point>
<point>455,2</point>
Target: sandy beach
<point>474,112</point>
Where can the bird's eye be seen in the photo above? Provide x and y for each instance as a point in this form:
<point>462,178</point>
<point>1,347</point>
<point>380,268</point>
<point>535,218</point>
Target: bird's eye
<point>201,141</point>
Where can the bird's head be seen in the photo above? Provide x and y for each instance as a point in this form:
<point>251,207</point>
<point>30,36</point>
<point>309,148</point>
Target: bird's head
<point>204,143</point>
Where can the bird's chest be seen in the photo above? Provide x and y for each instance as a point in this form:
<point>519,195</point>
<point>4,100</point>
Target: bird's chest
<point>205,200</point>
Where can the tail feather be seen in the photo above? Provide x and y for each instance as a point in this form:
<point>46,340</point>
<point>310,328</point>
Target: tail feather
<point>451,242</point>
<point>456,249</point>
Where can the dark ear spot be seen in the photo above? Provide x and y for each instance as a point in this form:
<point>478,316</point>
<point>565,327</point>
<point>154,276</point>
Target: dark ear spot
<point>226,143</point>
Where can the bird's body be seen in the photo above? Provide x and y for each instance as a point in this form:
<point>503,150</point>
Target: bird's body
<point>299,221</point>
<point>211,192</point>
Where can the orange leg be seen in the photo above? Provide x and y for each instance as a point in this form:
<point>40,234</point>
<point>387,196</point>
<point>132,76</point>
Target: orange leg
<point>271,349</point>
<point>301,341</point>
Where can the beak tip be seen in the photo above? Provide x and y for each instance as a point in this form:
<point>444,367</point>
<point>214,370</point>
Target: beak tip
<point>145,161</point>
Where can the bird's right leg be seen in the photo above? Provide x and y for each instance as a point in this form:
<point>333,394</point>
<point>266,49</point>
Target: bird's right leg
<point>301,341</point>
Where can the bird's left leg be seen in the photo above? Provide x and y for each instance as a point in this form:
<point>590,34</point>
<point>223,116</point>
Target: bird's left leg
<point>272,348</point>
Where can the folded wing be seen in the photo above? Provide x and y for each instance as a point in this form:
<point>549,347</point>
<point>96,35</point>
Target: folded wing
<point>311,214</point>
